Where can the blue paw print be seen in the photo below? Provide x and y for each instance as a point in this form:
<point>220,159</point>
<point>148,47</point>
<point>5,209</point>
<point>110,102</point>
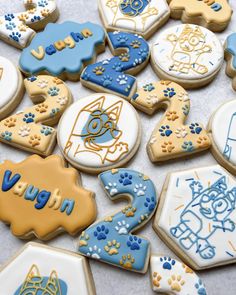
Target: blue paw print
<point>148,87</point>
<point>117,67</point>
<point>134,243</point>
<point>185,110</point>
<point>54,112</point>
<point>125,179</point>
<point>35,19</point>
<point>7,135</point>
<point>53,91</point>
<point>150,203</point>
<point>167,262</point>
<point>9,17</point>
<point>15,36</point>
<point>169,92</point>
<point>29,118</point>
<point>46,130</point>
<point>32,78</point>
<point>10,26</point>
<point>200,288</point>
<point>143,53</point>
<point>165,131</point>
<point>101,232</point>
<point>122,39</point>
<point>195,128</point>
<point>106,80</point>
<point>42,3</point>
<point>188,146</point>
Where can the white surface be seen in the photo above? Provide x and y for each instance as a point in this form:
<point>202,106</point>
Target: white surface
<point>108,279</point>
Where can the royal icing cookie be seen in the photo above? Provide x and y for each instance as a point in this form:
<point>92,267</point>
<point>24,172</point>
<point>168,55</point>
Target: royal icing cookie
<point>11,87</point>
<point>18,29</point>
<point>40,197</point>
<point>61,50</point>
<point>94,136</point>
<point>223,133</point>
<point>143,17</point>
<point>171,276</point>
<point>187,54</point>
<point>114,75</point>
<point>230,57</point>
<point>212,14</point>
<point>24,129</point>
<point>111,239</point>
<point>171,138</point>
<point>39,269</point>
<point>196,216</point>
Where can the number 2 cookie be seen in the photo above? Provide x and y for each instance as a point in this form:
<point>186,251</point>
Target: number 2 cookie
<point>189,55</point>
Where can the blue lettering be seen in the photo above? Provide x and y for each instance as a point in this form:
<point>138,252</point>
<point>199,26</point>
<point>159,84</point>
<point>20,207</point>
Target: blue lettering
<point>31,193</point>
<point>50,50</point>
<point>8,183</point>
<point>68,206</point>
<point>42,199</point>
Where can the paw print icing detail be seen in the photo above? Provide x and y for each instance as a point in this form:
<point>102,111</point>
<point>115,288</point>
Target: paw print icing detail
<point>113,234</point>
<point>167,262</point>
<point>176,283</point>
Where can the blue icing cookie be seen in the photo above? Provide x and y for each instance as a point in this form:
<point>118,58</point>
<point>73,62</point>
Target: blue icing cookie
<point>231,48</point>
<point>62,49</point>
<point>110,240</point>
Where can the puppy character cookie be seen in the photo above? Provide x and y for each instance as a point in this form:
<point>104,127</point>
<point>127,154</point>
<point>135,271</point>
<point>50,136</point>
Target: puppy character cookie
<point>200,207</point>
<point>18,29</point>
<point>142,17</point>
<point>215,15</point>
<point>187,54</point>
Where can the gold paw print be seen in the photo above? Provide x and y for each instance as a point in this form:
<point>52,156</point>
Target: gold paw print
<point>31,11</point>
<point>166,83</point>
<point>45,12</point>
<point>167,146</point>
<point>23,17</point>
<point>11,122</point>
<point>135,44</point>
<point>83,239</point>
<point>175,282</point>
<point>187,269</point>
<point>108,219</point>
<point>34,140</point>
<point>57,81</point>
<point>203,141</point>
<point>127,261</point>
<point>124,57</point>
<point>112,247</point>
<point>41,108</point>
<point>99,70</point>
<point>172,116</point>
<point>156,279</point>
<point>129,211</point>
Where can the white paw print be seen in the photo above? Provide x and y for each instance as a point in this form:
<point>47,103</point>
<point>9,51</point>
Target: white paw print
<point>122,227</point>
<point>62,100</point>
<point>153,140</point>
<point>111,187</point>
<point>152,99</point>
<point>137,61</point>
<point>24,131</point>
<point>42,84</point>
<point>106,62</point>
<point>181,132</point>
<point>183,96</point>
<point>94,252</point>
<point>140,189</point>
<point>122,79</point>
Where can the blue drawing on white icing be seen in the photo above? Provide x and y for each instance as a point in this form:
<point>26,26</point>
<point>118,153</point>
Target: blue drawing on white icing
<point>229,149</point>
<point>167,262</point>
<point>133,7</point>
<point>110,240</point>
<point>231,48</point>
<point>77,48</point>
<point>110,74</point>
<point>212,205</point>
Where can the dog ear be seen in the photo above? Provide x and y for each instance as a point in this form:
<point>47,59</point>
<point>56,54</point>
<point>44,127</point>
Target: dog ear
<point>114,111</point>
<point>95,105</point>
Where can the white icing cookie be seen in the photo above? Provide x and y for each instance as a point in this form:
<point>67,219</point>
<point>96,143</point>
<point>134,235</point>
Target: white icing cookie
<point>99,132</point>
<point>187,54</point>
<point>136,16</point>
<point>196,216</point>
<point>39,269</point>
<point>11,87</point>
<point>222,128</point>
<point>171,276</point>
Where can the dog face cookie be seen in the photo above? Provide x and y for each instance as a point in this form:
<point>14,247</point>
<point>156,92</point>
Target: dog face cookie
<point>196,216</point>
<point>93,134</point>
<point>110,240</point>
<point>142,17</point>
<point>223,133</point>
<point>230,56</point>
<point>187,54</point>
<point>171,276</point>
<point>19,28</point>
<point>212,14</point>
<point>171,138</point>
<point>39,269</point>
<point>62,49</point>
<point>43,198</point>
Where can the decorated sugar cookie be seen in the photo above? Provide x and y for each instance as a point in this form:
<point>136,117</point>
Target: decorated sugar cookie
<point>94,136</point>
<point>171,138</point>
<point>196,216</point>
<point>18,29</point>
<point>171,276</point>
<point>61,50</point>
<point>41,197</point>
<point>142,17</point>
<point>39,269</point>
<point>187,54</point>
<point>24,129</point>
<point>111,240</point>
<point>230,56</point>
<point>212,14</point>
<point>11,87</point>
<point>222,128</point>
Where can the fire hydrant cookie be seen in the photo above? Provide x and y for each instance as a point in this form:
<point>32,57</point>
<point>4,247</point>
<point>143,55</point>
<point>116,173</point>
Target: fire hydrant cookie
<point>42,270</point>
<point>230,57</point>
<point>187,54</point>
<point>94,134</point>
<point>196,216</point>
<point>18,29</point>
<point>214,15</point>
<point>41,197</point>
<point>62,50</point>
<point>141,17</point>
<point>11,87</point>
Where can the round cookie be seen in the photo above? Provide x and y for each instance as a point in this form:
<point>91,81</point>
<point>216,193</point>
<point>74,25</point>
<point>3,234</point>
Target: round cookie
<point>141,17</point>
<point>189,55</point>
<point>93,133</point>
<point>222,130</point>
<point>11,87</point>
